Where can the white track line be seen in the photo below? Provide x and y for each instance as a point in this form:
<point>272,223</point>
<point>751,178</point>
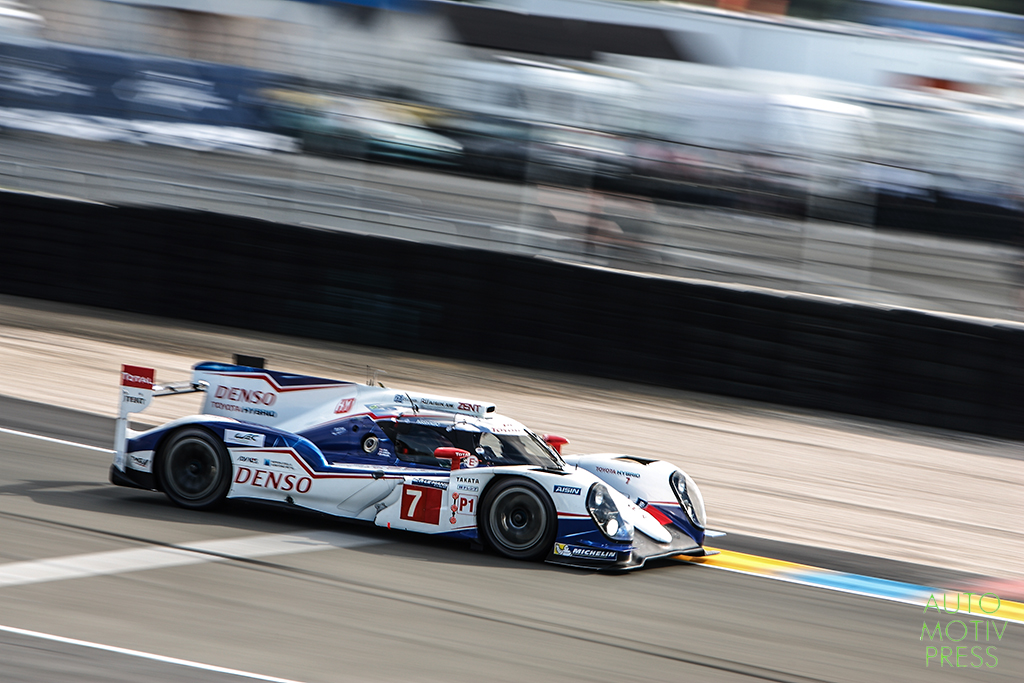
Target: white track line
<point>146,655</point>
<point>159,557</point>
<point>52,440</point>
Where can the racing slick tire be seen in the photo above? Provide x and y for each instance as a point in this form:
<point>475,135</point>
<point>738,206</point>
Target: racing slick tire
<point>518,519</point>
<point>194,469</point>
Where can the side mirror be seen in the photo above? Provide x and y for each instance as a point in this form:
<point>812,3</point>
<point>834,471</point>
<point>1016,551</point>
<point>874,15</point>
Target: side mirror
<point>555,442</point>
<point>457,456</point>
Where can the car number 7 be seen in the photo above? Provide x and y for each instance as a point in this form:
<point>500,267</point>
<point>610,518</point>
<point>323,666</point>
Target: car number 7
<point>416,495</point>
<point>421,504</point>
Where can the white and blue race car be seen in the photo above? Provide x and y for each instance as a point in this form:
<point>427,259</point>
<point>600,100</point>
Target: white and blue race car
<point>431,464</point>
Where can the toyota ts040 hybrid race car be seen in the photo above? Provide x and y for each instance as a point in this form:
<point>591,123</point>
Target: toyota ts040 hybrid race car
<point>432,464</point>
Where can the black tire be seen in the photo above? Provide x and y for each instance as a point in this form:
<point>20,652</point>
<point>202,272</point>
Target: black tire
<point>518,520</point>
<point>194,469</point>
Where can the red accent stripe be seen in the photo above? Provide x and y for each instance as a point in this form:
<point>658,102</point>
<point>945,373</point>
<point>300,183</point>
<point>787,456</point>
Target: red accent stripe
<point>348,416</point>
<point>314,474</point>
<point>277,387</point>
<point>662,518</point>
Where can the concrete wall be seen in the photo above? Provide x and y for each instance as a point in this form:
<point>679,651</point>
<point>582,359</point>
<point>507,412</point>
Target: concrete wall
<point>893,364</point>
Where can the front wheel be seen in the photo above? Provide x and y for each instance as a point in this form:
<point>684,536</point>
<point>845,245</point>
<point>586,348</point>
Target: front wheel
<point>195,469</point>
<point>518,519</point>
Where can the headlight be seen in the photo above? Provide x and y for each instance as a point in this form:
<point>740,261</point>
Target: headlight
<point>689,497</point>
<point>606,514</point>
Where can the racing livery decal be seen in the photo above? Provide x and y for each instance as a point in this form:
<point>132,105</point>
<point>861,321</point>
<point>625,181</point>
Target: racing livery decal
<point>621,473</point>
<point>432,483</point>
<point>273,480</point>
<point>569,490</point>
<point>141,461</point>
<point>244,438</point>
<point>462,505</point>
<point>566,550</point>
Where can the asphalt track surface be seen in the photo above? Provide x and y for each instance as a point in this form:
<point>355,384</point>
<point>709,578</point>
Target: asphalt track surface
<point>366,604</point>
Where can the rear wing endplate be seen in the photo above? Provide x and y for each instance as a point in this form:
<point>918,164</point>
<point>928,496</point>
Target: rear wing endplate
<point>138,387</point>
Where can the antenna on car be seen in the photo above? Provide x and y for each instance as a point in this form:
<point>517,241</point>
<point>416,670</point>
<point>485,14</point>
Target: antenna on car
<point>415,408</point>
<point>371,377</point>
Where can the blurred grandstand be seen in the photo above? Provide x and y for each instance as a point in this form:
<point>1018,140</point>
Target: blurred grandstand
<point>974,23</point>
<point>765,116</point>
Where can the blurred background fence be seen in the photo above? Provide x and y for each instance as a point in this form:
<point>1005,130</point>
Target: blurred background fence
<point>704,147</point>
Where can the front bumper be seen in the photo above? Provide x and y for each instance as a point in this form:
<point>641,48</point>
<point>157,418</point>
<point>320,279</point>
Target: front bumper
<point>643,548</point>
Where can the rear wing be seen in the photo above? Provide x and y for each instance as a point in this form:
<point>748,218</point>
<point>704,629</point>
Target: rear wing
<point>138,388</point>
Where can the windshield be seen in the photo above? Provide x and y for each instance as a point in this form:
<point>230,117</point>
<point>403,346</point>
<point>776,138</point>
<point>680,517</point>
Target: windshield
<point>512,449</point>
<point>415,442</point>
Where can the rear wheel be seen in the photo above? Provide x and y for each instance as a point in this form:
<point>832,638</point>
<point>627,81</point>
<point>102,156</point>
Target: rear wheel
<point>518,519</point>
<point>195,469</point>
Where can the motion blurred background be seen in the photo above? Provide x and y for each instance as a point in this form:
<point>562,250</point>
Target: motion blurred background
<point>864,149</point>
<point>742,204</point>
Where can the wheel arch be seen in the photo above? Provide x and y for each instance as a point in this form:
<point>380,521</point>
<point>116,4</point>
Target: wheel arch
<point>494,480</point>
<point>161,445</point>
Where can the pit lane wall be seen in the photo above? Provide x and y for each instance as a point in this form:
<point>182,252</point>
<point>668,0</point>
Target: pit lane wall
<point>478,305</point>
